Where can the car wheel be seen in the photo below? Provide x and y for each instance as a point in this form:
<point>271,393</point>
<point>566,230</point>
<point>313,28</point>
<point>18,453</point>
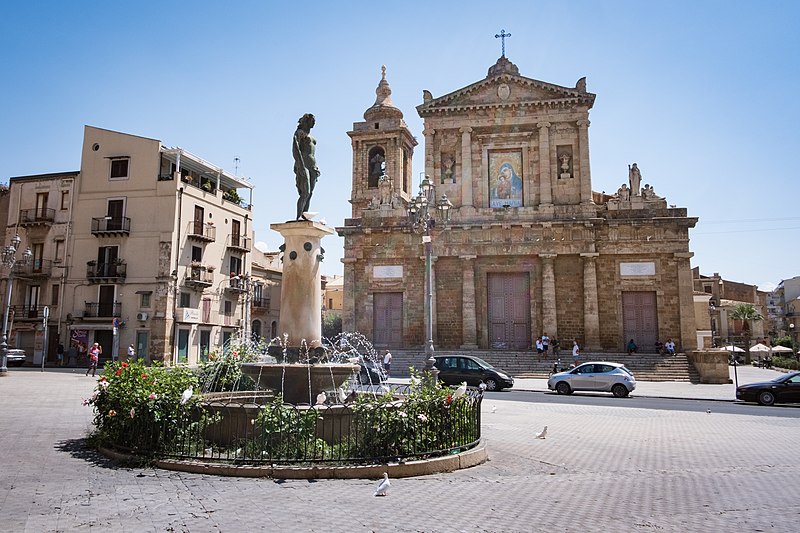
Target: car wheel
<point>766,398</point>
<point>491,384</point>
<point>563,388</point>
<point>619,390</point>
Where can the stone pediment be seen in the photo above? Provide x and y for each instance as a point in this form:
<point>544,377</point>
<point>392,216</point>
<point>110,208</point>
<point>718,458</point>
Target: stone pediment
<point>505,88</point>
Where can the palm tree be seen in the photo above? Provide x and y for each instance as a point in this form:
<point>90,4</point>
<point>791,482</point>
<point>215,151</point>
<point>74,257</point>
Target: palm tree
<point>747,313</point>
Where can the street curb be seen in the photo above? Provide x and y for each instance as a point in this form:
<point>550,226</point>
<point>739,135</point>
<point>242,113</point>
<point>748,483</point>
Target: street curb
<point>634,395</point>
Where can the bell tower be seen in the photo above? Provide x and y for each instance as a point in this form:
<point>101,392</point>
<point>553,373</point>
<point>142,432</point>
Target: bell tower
<point>382,150</point>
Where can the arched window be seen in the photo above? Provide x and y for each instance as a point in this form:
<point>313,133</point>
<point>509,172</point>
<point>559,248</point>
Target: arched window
<point>273,330</point>
<point>375,161</point>
<point>255,330</point>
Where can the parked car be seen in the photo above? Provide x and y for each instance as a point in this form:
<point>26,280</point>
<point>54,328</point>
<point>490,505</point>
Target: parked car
<point>782,389</point>
<point>371,372</point>
<point>594,376</point>
<point>455,369</point>
<point>15,357</point>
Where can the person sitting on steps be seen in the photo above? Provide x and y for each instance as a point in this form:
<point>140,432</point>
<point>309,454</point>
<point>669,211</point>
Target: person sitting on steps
<point>632,348</point>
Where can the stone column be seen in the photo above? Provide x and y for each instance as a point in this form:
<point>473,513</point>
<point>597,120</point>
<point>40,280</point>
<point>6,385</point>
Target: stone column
<point>549,314</point>
<point>469,325</point>
<point>545,181</point>
<point>348,298</point>
<point>466,166</point>
<point>429,163</point>
<point>583,148</point>
<point>686,301</point>
<point>301,291</point>
<point>591,310</point>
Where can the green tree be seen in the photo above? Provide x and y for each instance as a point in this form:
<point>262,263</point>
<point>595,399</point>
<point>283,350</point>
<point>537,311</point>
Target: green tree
<point>331,324</point>
<point>747,313</point>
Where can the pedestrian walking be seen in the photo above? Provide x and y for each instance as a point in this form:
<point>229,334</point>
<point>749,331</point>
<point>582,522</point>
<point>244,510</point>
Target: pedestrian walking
<point>387,362</point>
<point>60,354</point>
<point>576,353</point>
<point>556,347</point>
<point>131,353</point>
<point>94,358</point>
<point>545,343</point>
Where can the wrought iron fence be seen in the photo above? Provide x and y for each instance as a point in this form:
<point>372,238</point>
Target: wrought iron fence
<point>238,432</point>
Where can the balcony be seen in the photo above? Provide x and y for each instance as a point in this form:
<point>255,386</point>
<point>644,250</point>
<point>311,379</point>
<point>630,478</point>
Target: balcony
<point>106,272</point>
<point>38,268</point>
<point>27,312</point>
<point>37,217</point>
<point>111,226</point>
<point>240,243</point>
<point>261,304</point>
<point>201,231</point>
<point>197,277</point>
<point>236,285</point>
<point>102,309</point>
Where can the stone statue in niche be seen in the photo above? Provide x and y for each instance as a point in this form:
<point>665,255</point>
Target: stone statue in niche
<point>385,190</point>
<point>565,158</point>
<point>448,168</point>
<point>624,193</point>
<point>634,179</point>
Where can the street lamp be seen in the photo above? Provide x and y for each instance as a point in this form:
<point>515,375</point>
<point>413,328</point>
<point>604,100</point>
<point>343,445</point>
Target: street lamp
<point>8,256</point>
<point>421,211</point>
<point>711,309</point>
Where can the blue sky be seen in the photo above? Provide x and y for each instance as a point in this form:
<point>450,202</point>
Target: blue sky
<point>699,93</point>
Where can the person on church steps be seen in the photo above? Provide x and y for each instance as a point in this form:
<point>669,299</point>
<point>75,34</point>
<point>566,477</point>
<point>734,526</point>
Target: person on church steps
<point>632,348</point>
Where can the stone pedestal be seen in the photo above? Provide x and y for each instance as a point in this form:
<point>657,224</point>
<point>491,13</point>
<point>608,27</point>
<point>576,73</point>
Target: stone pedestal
<point>301,294</point>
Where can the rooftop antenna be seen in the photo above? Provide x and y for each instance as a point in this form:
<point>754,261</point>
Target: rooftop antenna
<point>236,166</point>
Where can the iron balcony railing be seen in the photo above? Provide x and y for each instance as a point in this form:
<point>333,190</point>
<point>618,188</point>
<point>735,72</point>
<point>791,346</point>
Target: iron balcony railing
<point>113,271</point>
<point>239,242</point>
<point>102,309</point>
<point>261,303</point>
<point>37,216</point>
<point>201,231</point>
<point>111,226</point>
<point>198,277</point>
<point>35,268</point>
<point>28,312</point>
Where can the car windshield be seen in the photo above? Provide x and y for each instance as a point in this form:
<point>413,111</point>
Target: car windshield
<point>780,379</point>
<point>481,362</point>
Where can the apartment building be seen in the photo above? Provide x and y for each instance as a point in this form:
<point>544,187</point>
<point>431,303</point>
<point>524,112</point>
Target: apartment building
<point>39,211</point>
<point>265,304</point>
<point>159,251</point>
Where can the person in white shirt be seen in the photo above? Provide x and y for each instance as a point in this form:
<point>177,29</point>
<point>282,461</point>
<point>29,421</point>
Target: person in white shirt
<point>670,347</point>
<point>387,362</point>
<point>131,353</point>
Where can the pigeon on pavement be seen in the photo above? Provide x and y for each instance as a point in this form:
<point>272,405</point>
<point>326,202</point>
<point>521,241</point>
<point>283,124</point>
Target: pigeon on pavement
<point>543,434</point>
<point>383,487</point>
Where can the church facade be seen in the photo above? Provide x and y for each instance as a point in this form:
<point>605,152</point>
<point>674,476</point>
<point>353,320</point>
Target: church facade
<point>529,248</point>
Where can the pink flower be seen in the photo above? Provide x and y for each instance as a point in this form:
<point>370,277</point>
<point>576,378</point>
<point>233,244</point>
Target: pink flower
<point>152,396</point>
<point>422,417</point>
<point>133,412</point>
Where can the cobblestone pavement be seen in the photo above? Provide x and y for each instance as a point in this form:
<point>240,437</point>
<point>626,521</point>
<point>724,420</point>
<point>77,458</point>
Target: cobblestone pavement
<point>600,468</point>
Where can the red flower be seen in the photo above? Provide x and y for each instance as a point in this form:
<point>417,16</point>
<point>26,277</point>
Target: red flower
<point>448,400</point>
<point>119,371</point>
<point>124,365</point>
<point>144,376</point>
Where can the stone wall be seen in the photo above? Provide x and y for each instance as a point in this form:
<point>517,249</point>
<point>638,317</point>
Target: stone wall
<point>711,365</point>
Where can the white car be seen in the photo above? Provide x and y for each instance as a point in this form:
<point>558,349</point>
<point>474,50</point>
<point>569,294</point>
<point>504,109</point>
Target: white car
<point>594,376</point>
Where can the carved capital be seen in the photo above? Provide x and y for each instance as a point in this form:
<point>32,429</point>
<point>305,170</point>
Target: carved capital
<point>543,125</point>
<point>583,123</point>
<point>465,129</point>
<point>590,256</point>
<point>428,132</point>
<point>548,258</point>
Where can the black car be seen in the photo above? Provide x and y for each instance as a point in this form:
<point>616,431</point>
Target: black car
<point>455,369</point>
<point>783,389</point>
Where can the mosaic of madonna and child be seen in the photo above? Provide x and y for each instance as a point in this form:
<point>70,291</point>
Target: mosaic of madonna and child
<point>505,178</point>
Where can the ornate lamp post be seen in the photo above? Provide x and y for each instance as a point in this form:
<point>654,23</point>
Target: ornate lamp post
<point>8,256</point>
<point>421,211</point>
<point>711,309</point>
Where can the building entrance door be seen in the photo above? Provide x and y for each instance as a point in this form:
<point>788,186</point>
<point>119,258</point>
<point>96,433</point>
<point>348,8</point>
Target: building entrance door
<point>509,311</point>
<point>640,319</point>
<point>387,325</point>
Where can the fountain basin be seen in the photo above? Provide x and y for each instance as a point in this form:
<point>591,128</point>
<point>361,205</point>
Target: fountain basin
<point>299,383</point>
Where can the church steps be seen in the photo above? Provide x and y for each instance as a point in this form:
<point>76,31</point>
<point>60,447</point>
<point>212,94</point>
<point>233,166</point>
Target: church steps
<point>525,364</point>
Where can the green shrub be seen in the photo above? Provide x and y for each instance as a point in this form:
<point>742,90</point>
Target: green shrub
<point>132,400</point>
<point>789,363</point>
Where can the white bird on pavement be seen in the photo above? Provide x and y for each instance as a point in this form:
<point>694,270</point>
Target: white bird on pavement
<point>383,486</point>
<point>461,390</point>
<point>187,395</point>
<point>342,395</point>
<point>322,398</point>
<point>543,434</point>
<point>708,411</point>
<point>494,408</point>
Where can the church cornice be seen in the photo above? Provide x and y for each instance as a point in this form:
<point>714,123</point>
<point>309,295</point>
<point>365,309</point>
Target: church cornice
<point>568,97</point>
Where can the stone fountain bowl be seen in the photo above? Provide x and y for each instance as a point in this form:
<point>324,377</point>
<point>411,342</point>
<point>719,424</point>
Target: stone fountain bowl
<point>299,383</point>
